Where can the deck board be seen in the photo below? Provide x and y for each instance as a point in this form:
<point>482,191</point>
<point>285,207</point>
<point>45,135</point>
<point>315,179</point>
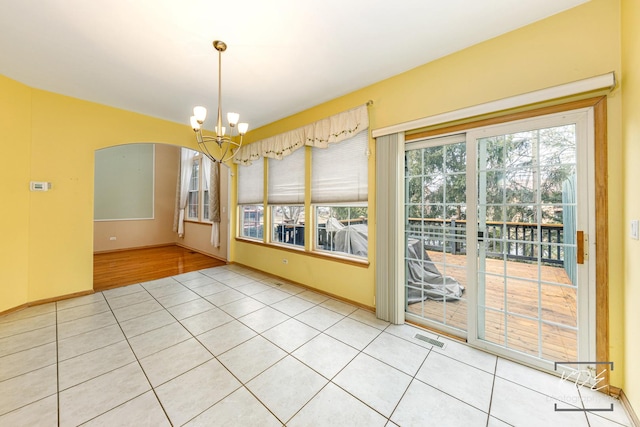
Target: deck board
<point>557,304</point>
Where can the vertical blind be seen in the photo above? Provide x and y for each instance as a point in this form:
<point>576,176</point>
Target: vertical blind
<point>251,183</point>
<point>339,173</point>
<point>286,179</point>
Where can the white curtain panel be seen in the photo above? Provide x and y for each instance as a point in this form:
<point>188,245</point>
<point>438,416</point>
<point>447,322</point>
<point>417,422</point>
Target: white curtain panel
<point>214,202</point>
<point>186,167</point>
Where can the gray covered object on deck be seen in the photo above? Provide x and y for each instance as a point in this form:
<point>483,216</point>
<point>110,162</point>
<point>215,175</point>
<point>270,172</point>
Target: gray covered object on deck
<point>424,281</point>
<point>423,278</point>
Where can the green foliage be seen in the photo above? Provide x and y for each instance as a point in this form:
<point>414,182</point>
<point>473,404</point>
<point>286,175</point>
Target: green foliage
<point>520,177</point>
<point>345,213</point>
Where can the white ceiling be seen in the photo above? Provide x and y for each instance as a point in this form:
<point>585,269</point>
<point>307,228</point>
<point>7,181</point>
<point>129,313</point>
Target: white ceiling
<point>155,56</point>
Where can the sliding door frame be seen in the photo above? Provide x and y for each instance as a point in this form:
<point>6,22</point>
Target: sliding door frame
<point>599,105</point>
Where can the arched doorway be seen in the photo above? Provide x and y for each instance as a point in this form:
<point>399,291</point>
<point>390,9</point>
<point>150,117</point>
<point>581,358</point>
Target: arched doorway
<point>134,209</point>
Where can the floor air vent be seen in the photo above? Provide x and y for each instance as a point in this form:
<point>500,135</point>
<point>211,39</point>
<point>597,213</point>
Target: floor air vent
<point>430,340</point>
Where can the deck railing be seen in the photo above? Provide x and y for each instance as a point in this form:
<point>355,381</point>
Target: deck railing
<point>292,234</point>
<point>519,241</point>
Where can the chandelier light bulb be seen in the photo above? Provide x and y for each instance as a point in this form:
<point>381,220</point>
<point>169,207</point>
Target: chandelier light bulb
<point>200,113</point>
<point>223,131</point>
<point>242,128</point>
<point>233,118</point>
<point>194,124</point>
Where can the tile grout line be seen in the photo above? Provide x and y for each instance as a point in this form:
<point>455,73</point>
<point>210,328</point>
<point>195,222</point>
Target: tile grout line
<point>242,384</point>
<point>260,334</point>
<point>24,332</point>
<point>21,351</point>
<point>290,354</point>
<point>432,349</point>
<point>57,368</point>
<point>140,366</point>
<point>413,378</point>
<point>493,385</point>
<point>348,363</point>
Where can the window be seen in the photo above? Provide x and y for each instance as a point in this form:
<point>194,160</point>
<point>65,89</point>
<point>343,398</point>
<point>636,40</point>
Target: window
<point>286,198</point>
<point>194,191</point>
<point>316,189</point>
<point>198,198</point>
<point>250,200</point>
<point>342,229</point>
<point>288,224</point>
<point>251,221</point>
<point>339,193</point>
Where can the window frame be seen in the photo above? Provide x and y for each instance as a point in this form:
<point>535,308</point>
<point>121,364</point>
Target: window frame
<point>287,233</point>
<point>326,240</point>
<point>257,224</point>
<point>202,201</point>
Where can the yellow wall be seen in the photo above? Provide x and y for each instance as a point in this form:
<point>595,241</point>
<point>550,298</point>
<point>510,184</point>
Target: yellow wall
<point>49,249</point>
<point>631,140</point>
<point>15,139</point>
<point>579,43</point>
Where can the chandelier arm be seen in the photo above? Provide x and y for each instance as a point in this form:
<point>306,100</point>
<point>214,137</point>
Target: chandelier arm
<point>199,137</point>
<point>206,152</point>
<point>208,138</point>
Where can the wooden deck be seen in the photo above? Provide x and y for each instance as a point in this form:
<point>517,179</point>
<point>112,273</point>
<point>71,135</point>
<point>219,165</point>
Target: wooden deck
<point>555,304</point>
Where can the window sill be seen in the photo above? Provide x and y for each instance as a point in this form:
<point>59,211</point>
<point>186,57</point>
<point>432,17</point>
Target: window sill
<point>358,262</point>
<point>195,221</point>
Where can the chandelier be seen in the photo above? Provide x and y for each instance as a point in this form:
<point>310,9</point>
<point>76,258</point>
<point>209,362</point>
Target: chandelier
<point>228,145</point>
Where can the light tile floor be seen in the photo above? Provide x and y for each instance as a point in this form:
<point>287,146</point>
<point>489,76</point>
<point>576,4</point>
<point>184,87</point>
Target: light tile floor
<point>229,346</point>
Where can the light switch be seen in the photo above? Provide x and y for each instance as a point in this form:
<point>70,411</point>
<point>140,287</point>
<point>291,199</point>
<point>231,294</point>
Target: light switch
<point>634,229</point>
<point>39,186</point>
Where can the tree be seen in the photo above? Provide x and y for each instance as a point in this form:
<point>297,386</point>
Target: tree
<point>291,214</point>
<point>520,177</point>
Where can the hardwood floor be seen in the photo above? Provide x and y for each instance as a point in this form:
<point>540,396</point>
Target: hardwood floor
<point>114,269</point>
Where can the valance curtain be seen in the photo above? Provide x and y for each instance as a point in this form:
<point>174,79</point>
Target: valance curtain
<point>318,134</point>
<point>186,167</point>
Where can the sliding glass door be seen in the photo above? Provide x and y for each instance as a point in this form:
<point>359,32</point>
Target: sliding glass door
<point>528,218</point>
<point>495,226</point>
<point>435,232</point>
